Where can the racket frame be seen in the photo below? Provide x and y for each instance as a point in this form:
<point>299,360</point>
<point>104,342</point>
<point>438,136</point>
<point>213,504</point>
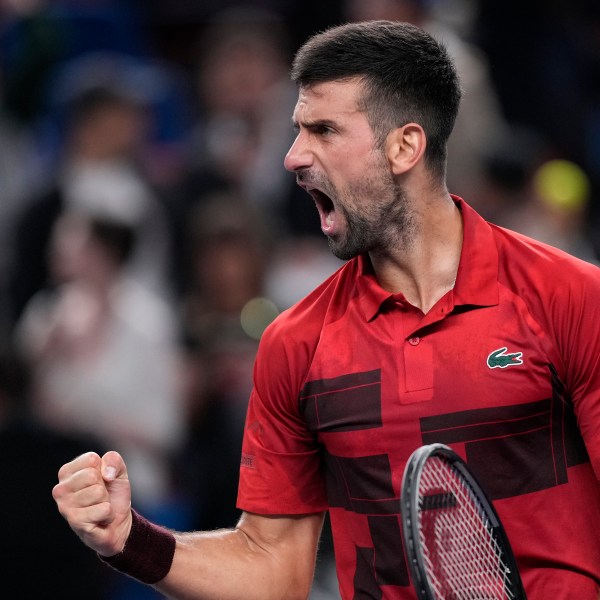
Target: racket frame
<point>410,521</point>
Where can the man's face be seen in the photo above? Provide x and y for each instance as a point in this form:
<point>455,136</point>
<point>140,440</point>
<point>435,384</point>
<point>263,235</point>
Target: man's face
<point>337,161</point>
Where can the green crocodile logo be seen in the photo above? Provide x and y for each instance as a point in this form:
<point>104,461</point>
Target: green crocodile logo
<point>498,359</point>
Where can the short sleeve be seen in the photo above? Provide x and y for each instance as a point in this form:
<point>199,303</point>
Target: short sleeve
<point>280,470</point>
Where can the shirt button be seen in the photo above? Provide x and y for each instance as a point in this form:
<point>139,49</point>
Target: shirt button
<point>414,341</point>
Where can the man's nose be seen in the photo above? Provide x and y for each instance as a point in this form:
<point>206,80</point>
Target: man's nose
<point>299,155</point>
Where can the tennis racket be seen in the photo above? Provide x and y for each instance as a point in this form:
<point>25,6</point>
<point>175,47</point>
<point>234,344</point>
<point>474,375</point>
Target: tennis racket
<point>456,546</point>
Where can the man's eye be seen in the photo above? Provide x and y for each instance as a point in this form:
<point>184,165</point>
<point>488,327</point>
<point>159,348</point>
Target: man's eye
<point>323,130</point>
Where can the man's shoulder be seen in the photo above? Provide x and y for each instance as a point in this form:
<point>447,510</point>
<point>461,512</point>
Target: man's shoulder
<point>516,248</point>
<point>534,268</point>
<point>306,317</point>
<point>288,344</point>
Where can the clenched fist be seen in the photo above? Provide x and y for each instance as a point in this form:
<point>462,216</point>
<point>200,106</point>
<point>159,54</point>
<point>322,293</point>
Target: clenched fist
<point>94,495</point>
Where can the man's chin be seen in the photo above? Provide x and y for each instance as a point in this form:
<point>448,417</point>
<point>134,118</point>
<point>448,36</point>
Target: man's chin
<point>341,250</point>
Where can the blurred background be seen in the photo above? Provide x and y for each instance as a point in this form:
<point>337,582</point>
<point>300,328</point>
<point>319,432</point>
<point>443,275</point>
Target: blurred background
<point>149,233</point>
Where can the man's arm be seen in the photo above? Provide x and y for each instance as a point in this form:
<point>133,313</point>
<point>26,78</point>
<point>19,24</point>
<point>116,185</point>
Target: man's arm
<point>264,557</point>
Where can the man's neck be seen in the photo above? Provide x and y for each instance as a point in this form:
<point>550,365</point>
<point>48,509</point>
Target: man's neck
<point>424,269</point>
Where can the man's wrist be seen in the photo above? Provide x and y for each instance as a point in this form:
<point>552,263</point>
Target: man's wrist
<point>148,552</point>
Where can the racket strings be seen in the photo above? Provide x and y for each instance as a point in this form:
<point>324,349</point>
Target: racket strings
<point>462,556</point>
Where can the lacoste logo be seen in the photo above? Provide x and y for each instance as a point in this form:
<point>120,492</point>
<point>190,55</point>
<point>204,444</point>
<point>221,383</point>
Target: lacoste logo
<point>499,359</point>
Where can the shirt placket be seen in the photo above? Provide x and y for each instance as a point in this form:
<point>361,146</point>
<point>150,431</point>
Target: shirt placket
<point>417,344</point>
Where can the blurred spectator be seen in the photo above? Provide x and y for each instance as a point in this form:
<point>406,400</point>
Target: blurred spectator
<point>37,36</point>
<point>548,77</point>
<point>556,208</point>
<point>297,267</point>
<point>245,101</point>
<point>216,379</point>
<point>30,455</point>
<point>244,130</point>
<point>528,189</point>
<point>50,51</point>
<point>161,89</point>
<point>223,315</point>
<point>99,170</point>
<point>228,251</point>
<point>102,350</point>
<point>508,174</point>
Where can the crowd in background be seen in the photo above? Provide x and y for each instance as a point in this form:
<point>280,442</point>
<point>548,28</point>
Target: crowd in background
<point>149,233</point>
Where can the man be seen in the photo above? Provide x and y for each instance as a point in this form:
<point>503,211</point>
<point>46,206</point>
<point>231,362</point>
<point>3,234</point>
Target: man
<point>440,327</point>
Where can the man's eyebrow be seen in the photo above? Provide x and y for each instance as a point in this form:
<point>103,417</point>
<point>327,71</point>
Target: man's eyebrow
<point>318,123</point>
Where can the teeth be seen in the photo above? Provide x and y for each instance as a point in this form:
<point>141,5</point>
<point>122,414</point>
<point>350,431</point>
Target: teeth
<point>329,219</point>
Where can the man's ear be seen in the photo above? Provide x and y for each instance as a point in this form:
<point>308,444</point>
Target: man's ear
<point>405,147</point>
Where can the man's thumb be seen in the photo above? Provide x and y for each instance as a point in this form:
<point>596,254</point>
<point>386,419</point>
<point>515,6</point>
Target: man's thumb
<point>113,466</point>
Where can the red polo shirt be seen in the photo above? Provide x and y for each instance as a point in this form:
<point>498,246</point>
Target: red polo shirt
<point>505,368</point>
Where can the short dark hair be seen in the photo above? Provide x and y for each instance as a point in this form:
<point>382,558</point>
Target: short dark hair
<point>407,75</point>
<point>97,98</point>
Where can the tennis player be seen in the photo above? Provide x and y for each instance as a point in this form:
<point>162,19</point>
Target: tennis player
<point>440,327</point>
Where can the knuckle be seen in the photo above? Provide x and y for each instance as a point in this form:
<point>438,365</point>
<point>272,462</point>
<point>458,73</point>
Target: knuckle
<point>97,494</point>
<point>90,477</point>
<point>104,511</point>
<point>62,472</point>
<point>58,491</point>
<point>92,459</point>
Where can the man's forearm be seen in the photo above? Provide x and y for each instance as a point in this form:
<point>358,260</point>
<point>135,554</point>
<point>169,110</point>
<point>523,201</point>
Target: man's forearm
<point>245,563</point>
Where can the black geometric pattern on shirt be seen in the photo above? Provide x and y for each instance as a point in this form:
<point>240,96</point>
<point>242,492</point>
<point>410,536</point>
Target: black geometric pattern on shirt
<point>384,563</point>
<point>513,450</point>
<point>516,449</point>
<point>390,567</point>
<point>363,484</point>
<point>575,451</point>
<point>380,565</point>
<point>347,403</point>
<point>365,582</point>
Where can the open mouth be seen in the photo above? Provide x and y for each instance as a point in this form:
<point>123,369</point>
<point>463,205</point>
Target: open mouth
<point>326,209</point>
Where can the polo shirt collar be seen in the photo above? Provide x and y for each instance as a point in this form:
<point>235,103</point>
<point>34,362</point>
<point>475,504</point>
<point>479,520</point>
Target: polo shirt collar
<point>477,277</point>
<point>370,294</point>
<point>476,280</point>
